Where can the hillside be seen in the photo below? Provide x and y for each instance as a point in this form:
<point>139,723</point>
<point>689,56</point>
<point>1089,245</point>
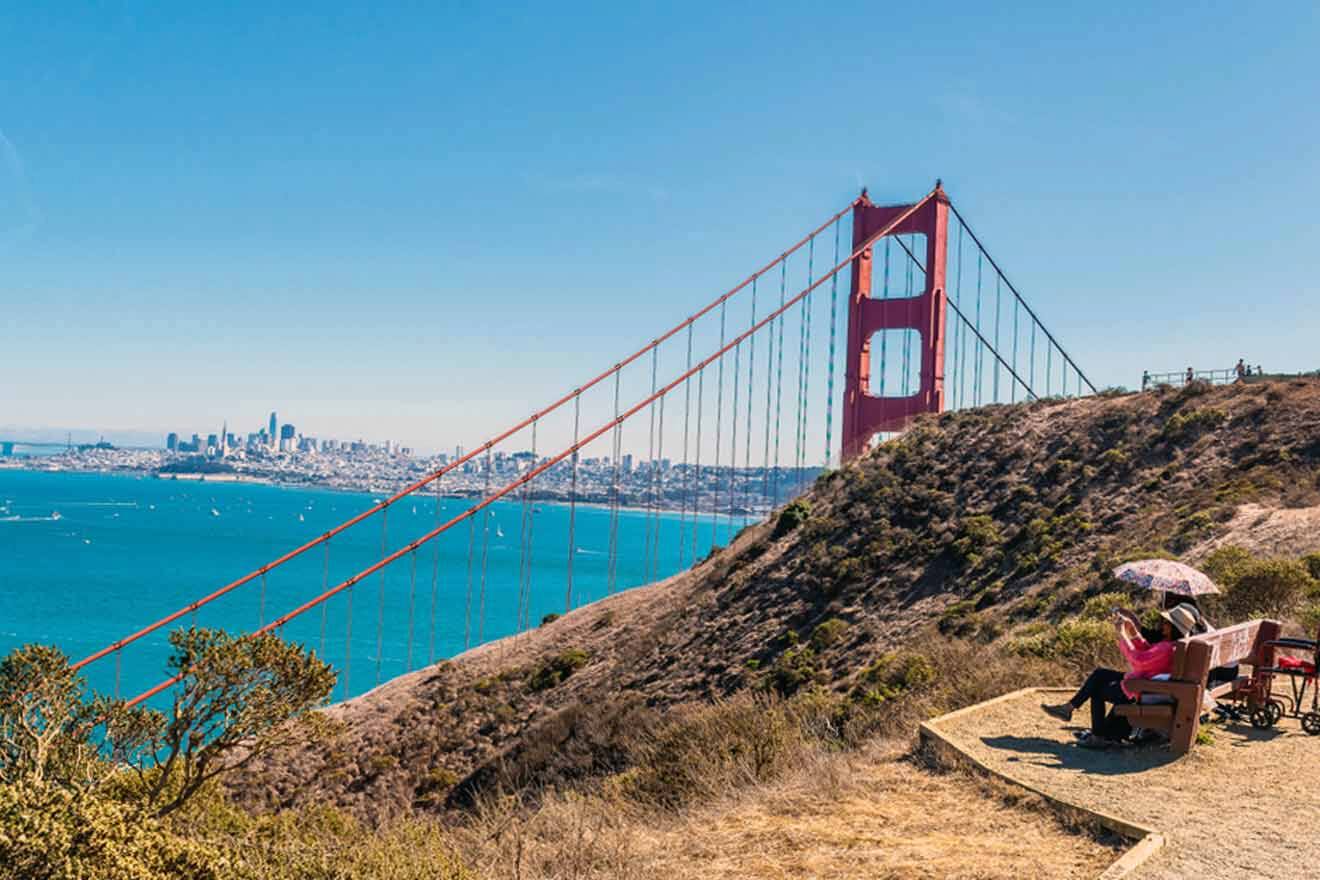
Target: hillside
<point>973,529</point>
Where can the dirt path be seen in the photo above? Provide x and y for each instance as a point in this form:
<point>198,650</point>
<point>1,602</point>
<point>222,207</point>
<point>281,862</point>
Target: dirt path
<point>872,815</point>
<point>1246,805</point>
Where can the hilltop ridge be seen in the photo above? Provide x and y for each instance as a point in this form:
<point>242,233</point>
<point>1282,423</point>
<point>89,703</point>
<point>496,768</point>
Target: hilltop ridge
<point>972,529</point>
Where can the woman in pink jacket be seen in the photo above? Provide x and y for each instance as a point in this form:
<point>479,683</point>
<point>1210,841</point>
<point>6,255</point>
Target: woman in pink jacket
<point>1106,686</point>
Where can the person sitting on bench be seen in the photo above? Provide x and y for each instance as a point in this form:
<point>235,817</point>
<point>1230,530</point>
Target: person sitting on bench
<point>1146,660</point>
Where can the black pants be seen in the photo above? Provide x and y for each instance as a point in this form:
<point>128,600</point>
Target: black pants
<point>1104,686</point>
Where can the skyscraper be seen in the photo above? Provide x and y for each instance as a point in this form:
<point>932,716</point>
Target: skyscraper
<point>274,435</point>
<point>172,442</point>
<point>224,439</point>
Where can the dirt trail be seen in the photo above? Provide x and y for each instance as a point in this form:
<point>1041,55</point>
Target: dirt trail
<point>1246,805</point>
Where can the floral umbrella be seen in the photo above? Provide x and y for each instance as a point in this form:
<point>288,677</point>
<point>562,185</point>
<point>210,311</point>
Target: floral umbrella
<point>1166,575</point>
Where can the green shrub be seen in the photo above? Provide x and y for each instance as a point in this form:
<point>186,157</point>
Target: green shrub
<point>1082,644</point>
<point>893,675</point>
<point>56,833</point>
<point>792,516</point>
<point>1312,563</point>
<point>550,618</point>
<point>1184,426</point>
<point>796,667</point>
<point>554,670</point>
<point>976,535</point>
<point>1105,604</point>
<point>828,633</point>
<point>1268,587</point>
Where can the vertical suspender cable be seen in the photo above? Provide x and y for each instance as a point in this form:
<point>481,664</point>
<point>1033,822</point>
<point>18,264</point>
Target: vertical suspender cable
<point>348,640</point>
<point>435,583</point>
<point>962,350</point>
<point>485,552</point>
<point>779,375</point>
<point>1014,383</point>
<point>998,294</point>
<point>650,463</point>
<point>1031,378</point>
<point>467,604</point>
<point>696,474</point>
<point>526,582</point>
<point>907,333</point>
<point>687,413</point>
<point>829,382</point>
<point>733,430</point>
<point>380,592</point>
<point>1049,367</point>
<point>719,426</point>
<point>976,381</point>
<point>769,396</point>
<point>325,585</point>
<point>412,611</point>
<point>751,384</point>
<point>804,369</point>
<point>884,337</point>
<point>611,579</point>
<point>572,502</point>
<point>659,495</point>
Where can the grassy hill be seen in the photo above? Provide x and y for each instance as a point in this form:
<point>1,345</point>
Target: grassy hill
<point>961,560</point>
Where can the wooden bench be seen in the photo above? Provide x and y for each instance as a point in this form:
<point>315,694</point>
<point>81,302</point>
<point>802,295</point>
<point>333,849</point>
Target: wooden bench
<point>1193,658</point>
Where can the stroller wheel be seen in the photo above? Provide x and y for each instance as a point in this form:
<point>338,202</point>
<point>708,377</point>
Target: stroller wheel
<point>1262,718</point>
<point>1276,712</point>
<point>1311,723</point>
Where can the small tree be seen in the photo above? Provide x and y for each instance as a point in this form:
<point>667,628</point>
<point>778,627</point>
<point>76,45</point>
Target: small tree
<point>235,700</point>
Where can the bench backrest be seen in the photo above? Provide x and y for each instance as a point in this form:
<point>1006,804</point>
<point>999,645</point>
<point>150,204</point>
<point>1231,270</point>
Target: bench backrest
<point>1240,643</point>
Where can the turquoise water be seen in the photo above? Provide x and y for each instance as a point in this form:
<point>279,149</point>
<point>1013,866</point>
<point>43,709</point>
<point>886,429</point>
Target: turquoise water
<point>125,551</point>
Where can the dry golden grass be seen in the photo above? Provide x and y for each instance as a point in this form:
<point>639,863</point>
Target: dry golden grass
<point>861,814</point>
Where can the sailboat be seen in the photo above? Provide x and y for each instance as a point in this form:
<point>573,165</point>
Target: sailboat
<point>499,532</point>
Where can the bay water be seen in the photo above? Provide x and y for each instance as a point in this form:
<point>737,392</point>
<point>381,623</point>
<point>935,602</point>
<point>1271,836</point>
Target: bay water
<point>88,558</point>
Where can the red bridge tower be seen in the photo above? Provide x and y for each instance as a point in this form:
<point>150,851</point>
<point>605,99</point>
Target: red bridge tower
<point>864,414</point>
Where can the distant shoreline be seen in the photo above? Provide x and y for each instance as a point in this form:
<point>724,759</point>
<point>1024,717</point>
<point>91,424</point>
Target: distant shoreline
<point>373,492</point>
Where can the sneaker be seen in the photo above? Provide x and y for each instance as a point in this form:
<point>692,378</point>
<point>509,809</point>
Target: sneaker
<point>1091,741</point>
<point>1061,711</point>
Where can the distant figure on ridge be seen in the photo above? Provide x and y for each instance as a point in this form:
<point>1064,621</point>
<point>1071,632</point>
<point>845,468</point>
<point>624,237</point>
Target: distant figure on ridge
<point>1191,376</point>
<point>1145,379</point>
<point>1242,370</point>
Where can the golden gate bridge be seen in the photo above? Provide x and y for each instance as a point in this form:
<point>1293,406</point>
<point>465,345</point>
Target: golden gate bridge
<point>927,322</point>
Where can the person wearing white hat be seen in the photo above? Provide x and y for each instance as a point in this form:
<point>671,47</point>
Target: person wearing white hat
<point>1106,686</point>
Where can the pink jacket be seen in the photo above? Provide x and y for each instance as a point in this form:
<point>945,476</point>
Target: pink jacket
<point>1146,660</point>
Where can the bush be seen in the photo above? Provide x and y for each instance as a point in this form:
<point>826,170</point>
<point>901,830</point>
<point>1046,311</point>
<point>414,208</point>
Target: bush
<point>976,536</point>
<point>555,670</point>
<point>1079,643</point>
<point>49,832</point>
<point>1268,588</point>
<point>828,633</point>
<point>792,516</point>
<point>550,618</point>
<point>893,675</point>
<point>792,669</point>
<point>1312,563</point>
<point>1102,606</point>
<point>1184,426</point>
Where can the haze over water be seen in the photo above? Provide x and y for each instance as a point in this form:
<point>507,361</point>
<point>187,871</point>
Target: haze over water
<point>125,551</point>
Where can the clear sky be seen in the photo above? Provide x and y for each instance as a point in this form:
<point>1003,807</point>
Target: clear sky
<point>415,221</point>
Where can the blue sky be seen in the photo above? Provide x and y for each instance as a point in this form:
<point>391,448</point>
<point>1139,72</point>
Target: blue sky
<point>418,220</point>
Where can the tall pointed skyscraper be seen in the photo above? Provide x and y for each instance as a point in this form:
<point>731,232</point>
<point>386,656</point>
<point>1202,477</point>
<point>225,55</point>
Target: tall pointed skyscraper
<point>224,439</point>
<point>274,434</point>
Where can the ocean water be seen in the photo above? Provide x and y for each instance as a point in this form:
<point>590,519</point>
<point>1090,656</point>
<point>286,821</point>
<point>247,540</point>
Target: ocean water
<point>87,559</point>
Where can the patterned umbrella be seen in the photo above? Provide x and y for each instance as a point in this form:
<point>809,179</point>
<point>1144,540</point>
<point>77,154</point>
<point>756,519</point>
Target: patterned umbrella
<point>1166,575</point>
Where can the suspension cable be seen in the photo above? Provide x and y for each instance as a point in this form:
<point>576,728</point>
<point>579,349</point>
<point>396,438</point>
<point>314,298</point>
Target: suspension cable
<point>733,430</point>
<point>412,608</point>
<point>719,425</point>
<point>747,442</point>
<point>485,553</point>
<point>779,374</point>
<point>659,490</point>
<point>829,383</point>
<point>612,577</point>
<point>806,376</point>
<point>687,412</point>
<point>650,465</point>
<point>526,580</point>
<point>572,506</point>
<point>435,584</point>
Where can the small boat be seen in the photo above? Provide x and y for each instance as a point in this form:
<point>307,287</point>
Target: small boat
<point>214,512</point>
<point>499,532</point>
<point>302,518</point>
<point>55,516</point>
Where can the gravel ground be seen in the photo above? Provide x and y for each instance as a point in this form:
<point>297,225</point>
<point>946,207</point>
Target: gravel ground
<point>1246,805</point>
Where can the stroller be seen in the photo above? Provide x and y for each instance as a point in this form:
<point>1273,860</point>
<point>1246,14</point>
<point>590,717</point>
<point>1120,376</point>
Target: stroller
<point>1268,705</point>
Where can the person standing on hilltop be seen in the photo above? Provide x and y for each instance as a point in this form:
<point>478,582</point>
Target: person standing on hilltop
<point>1191,377</point>
<point>1241,369</point>
<point>1145,659</point>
